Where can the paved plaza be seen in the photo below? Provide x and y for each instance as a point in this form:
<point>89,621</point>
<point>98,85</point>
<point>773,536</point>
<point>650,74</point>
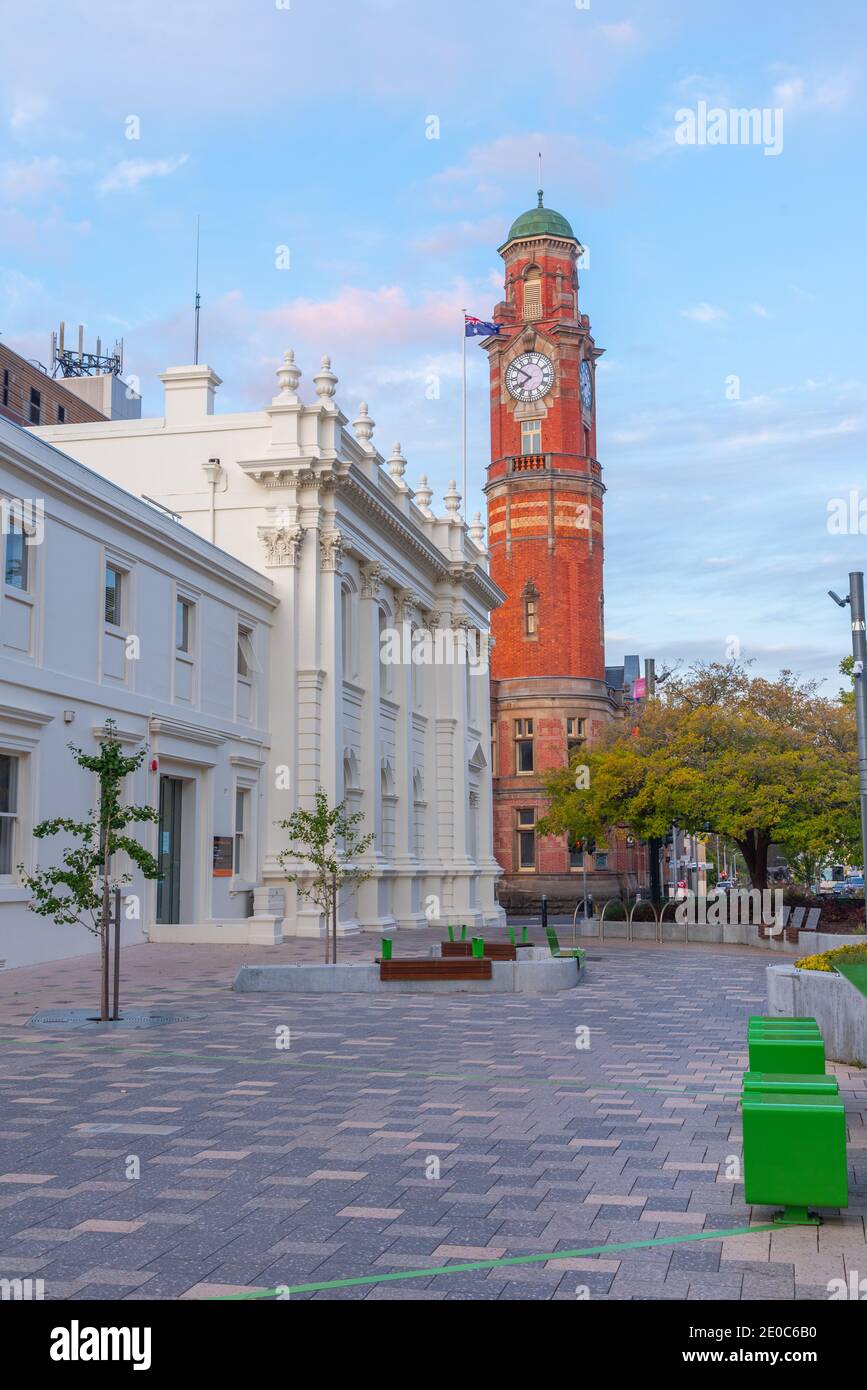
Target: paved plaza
<point>262,1166</point>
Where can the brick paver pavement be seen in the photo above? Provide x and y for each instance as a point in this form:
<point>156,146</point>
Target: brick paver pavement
<point>261,1167</point>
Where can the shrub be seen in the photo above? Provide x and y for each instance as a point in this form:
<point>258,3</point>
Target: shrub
<point>846,955</point>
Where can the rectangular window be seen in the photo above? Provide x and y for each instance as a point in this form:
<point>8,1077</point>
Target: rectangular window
<point>525,833</point>
<point>494,757</point>
<point>241,796</point>
<point>35,406</point>
<point>5,385</point>
<point>8,813</point>
<point>575,735</point>
<point>523,745</point>
<point>16,563</point>
<point>246,656</point>
<point>531,436</point>
<point>601,861</point>
<point>113,595</point>
<point>61,414</point>
<point>183,625</point>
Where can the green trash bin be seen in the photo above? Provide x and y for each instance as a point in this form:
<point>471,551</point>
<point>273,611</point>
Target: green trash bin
<point>794,1152</point>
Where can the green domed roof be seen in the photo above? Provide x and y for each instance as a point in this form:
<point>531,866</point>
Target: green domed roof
<point>540,221</point>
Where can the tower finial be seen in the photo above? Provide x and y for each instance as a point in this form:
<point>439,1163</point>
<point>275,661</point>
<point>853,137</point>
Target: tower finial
<point>540,178</point>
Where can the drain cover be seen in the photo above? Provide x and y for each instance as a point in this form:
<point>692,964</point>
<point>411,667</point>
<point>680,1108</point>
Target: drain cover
<point>89,1019</point>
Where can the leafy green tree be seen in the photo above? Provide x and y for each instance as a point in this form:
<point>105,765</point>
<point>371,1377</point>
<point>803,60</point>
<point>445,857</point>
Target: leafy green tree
<point>328,839</point>
<point>754,760</point>
<point>78,890</point>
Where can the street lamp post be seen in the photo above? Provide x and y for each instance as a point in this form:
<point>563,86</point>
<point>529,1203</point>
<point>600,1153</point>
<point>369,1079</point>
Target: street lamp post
<point>855,599</point>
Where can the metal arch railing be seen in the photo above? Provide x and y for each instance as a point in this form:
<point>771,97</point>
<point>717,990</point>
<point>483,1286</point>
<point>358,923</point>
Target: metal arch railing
<point>610,903</point>
<point>672,902</point>
<point>644,902</point>
<point>581,905</point>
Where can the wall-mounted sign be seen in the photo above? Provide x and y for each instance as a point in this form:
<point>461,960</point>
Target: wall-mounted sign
<point>222,856</point>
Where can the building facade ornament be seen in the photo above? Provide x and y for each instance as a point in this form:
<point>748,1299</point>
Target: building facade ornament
<point>397,466</point>
<point>330,551</point>
<point>325,382</point>
<point>363,425</point>
<point>288,376</point>
<point>424,496</point>
<point>372,579</point>
<point>406,606</point>
<point>282,545</point>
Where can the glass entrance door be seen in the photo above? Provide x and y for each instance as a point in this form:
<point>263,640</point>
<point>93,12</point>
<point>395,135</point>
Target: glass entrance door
<point>169,850</point>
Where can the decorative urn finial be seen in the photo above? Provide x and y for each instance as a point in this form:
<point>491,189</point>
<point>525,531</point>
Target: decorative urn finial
<point>363,426</point>
<point>397,465</point>
<point>424,495</point>
<point>325,381</point>
<point>289,375</point>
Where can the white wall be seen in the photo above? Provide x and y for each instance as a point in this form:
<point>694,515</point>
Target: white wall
<point>72,673</point>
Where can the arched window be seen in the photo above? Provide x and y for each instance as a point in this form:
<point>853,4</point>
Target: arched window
<point>347,632</point>
<point>386,675</point>
<point>417,674</point>
<point>533,293</point>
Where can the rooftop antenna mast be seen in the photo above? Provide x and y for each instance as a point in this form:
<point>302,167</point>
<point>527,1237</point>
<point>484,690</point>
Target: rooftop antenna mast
<point>198,296</point>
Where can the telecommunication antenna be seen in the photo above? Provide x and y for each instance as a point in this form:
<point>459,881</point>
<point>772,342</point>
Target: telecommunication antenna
<point>198,296</point>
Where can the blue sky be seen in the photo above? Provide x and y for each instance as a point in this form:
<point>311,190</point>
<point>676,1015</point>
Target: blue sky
<point>305,126</point>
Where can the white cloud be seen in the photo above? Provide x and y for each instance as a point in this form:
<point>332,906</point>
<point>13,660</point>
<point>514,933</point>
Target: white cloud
<point>760,311</point>
<point>624,32</point>
<point>577,166</point>
<point>31,178</point>
<point>129,173</point>
<point>27,107</point>
<point>814,92</point>
<point>704,313</point>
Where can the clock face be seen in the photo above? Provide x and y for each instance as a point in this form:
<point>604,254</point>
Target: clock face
<point>530,376</point>
<point>586,381</point>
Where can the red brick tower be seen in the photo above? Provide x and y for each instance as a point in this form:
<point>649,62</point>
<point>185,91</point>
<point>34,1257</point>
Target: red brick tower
<point>545,497</point>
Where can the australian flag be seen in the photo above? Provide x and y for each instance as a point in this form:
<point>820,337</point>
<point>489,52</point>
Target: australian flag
<point>477,328</point>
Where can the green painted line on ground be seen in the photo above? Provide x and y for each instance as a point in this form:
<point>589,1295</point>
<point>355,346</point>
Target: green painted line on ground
<point>502,1263</point>
<point>397,1072</point>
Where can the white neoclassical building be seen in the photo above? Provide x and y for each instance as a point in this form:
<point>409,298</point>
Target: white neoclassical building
<point>111,610</point>
<point>359,564</point>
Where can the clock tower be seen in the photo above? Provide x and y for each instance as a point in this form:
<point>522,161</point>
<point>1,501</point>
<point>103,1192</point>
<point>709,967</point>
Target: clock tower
<point>545,497</point>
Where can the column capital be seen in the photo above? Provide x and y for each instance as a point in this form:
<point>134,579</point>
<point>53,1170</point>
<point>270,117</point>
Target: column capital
<point>330,551</point>
<point>282,545</point>
<point>407,605</point>
<point>373,576</point>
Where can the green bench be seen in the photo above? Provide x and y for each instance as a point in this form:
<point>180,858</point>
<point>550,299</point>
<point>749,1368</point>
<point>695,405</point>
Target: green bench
<point>794,1123</point>
<point>768,1021</point>
<point>794,1153</point>
<point>789,1082</point>
<point>790,1052</point>
<point>563,952</point>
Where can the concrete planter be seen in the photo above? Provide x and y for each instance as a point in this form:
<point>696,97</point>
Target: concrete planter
<point>838,1007</point>
<point>543,975</point>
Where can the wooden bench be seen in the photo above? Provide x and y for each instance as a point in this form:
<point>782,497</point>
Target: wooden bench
<point>794,929</point>
<point>494,950</point>
<point>431,968</point>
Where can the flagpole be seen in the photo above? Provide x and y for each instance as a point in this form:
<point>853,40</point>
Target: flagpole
<point>464,416</point>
